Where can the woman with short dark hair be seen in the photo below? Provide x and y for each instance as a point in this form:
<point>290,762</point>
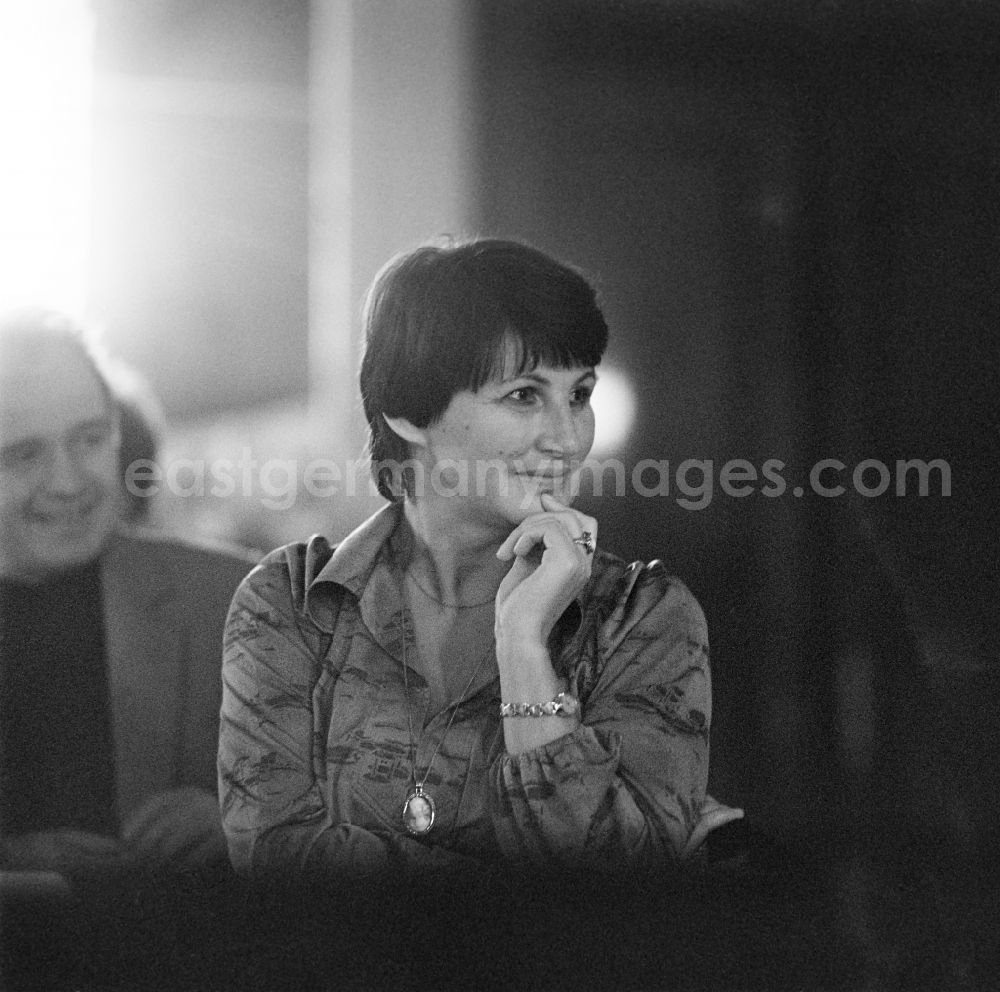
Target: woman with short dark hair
<point>466,678</point>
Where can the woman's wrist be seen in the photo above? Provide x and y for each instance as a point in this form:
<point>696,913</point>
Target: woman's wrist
<point>541,723</point>
<point>527,674</point>
<point>525,667</point>
<point>518,633</point>
<point>528,677</point>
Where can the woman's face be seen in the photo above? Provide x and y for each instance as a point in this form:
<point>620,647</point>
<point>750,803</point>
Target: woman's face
<point>496,450</point>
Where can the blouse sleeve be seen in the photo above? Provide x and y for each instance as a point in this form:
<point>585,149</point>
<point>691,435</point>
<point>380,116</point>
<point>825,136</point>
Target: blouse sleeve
<point>628,784</point>
<point>276,820</point>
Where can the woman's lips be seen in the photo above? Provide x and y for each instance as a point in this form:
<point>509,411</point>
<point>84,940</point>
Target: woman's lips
<point>550,474</point>
<point>545,478</point>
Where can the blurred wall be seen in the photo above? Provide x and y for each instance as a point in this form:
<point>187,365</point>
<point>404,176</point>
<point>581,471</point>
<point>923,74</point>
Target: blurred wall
<point>199,254</point>
<point>668,170</point>
<point>792,214</point>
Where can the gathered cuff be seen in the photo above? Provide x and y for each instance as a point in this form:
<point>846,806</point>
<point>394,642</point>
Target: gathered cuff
<point>582,746</point>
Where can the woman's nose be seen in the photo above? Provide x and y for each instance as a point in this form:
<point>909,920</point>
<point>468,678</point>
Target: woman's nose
<point>561,435</point>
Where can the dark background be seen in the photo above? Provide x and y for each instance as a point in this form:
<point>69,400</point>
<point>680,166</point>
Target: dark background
<point>792,211</point>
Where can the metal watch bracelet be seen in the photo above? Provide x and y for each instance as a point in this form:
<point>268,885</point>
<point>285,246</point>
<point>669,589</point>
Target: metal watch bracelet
<point>565,704</point>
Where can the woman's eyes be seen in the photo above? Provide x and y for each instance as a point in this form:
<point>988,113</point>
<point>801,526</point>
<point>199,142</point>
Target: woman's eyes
<point>528,395</point>
<point>523,395</point>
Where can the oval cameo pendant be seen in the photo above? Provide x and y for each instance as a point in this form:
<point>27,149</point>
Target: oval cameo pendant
<point>418,812</point>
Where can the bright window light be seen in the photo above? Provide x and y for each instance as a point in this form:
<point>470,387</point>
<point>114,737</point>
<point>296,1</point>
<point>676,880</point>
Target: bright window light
<point>614,410</point>
<point>45,120</point>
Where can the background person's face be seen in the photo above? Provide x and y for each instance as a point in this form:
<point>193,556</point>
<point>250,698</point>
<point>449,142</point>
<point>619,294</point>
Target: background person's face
<point>58,460</point>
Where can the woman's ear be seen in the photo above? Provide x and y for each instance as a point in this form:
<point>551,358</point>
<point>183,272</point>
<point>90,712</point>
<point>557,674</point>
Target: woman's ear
<point>406,430</point>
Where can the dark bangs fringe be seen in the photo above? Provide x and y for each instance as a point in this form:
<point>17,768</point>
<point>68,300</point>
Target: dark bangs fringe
<point>563,351</point>
<point>556,322</point>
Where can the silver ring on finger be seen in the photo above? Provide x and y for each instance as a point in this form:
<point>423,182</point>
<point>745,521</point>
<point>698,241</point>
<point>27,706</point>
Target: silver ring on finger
<point>586,541</point>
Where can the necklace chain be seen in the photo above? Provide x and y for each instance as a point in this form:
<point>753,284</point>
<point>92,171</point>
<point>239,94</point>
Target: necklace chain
<point>441,602</point>
<point>409,712</point>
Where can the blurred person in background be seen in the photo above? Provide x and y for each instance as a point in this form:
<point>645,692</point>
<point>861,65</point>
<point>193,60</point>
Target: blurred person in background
<point>109,640</point>
<point>110,649</point>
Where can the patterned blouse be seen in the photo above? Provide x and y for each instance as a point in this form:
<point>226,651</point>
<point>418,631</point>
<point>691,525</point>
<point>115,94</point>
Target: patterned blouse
<point>316,759</point>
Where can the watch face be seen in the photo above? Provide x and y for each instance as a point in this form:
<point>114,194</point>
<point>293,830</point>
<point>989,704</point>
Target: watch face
<point>570,704</point>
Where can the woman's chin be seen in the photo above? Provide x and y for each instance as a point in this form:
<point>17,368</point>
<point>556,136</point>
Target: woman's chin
<point>529,502</point>
<point>506,511</point>
<point>565,492</point>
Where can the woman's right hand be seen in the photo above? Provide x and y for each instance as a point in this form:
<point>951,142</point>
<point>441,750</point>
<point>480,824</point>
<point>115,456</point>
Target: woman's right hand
<point>549,569</point>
